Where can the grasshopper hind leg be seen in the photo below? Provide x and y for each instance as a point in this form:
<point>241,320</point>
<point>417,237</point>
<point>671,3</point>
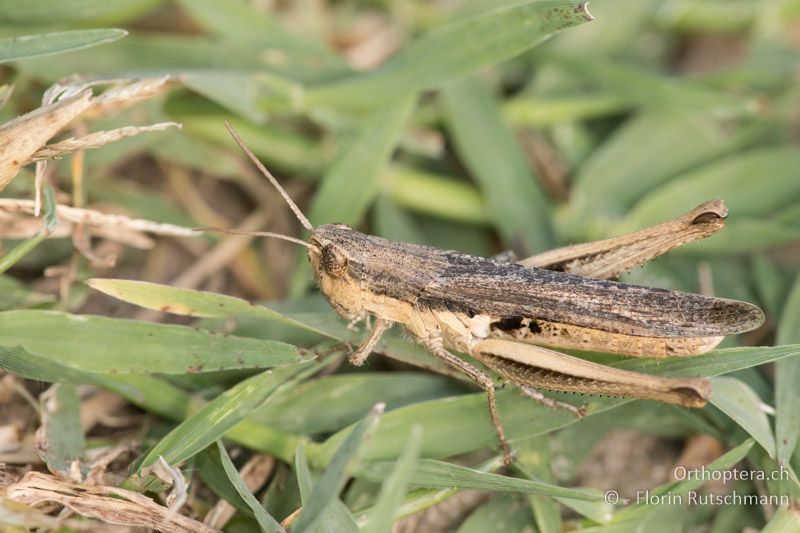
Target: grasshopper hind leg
<point>539,397</point>
<point>533,366</point>
<point>483,381</point>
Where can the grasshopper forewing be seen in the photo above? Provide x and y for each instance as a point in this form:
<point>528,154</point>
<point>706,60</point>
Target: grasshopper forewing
<point>501,313</point>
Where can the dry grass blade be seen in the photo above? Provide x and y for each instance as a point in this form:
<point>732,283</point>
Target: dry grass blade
<point>25,135</point>
<point>109,504</point>
<point>92,217</point>
<point>95,140</point>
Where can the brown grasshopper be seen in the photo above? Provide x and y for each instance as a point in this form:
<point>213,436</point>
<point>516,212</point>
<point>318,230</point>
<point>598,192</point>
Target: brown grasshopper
<point>502,312</point>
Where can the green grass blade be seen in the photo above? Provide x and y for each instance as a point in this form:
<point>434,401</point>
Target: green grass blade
<point>787,377</point>
<point>430,473</point>
<point>454,50</point>
<point>335,517</point>
<point>732,180</point>
<point>23,47</point>
<point>786,519</point>
<point>616,176</point>
<point>393,489</point>
<point>501,513</point>
<point>64,441</point>
<point>21,250</point>
<point>188,302</point>
<point>26,246</point>
<point>737,400</point>
<point>333,402</point>
<point>264,519</point>
<point>16,295</point>
<point>43,12</point>
<point>332,480</point>
<point>351,184</point>
<point>240,22</point>
<point>83,341</point>
<point>725,462</point>
<point>218,416</point>
<point>435,194</point>
<point>538,112</point>
<point>516,202</point>
<point>651,89</point>
<point>151,393</point>
<point>458,425</point>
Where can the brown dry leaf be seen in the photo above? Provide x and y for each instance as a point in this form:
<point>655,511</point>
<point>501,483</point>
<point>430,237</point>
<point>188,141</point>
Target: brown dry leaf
<point>109,504</point>
<point>23,136</point>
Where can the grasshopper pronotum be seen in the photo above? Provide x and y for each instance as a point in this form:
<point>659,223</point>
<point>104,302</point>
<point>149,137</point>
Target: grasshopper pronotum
<point>501,312</point>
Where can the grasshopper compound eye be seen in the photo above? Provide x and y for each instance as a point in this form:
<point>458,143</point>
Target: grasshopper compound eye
<point>333,263</point>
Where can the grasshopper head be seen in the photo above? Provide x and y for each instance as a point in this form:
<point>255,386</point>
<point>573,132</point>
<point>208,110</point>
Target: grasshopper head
<point>334,258</point>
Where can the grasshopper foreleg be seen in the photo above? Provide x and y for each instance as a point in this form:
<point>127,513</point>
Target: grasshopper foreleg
<point>360,356</point>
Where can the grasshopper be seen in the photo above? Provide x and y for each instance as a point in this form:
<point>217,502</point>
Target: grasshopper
<point>503,312</point>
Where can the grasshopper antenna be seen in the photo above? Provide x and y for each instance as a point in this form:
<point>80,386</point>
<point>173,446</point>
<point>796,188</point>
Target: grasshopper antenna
<point>299,214</point>
<point>211,229</point>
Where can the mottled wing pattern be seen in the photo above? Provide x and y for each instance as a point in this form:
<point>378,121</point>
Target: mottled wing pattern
<point>510,291</point>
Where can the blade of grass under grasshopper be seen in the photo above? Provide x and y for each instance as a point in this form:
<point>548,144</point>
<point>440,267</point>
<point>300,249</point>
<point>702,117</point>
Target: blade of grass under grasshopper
<point>328,486</point>
<point>207,304</point>
<point>330,403</point>
<point>516,202</point>
<point>335,517</point>
<point>457,425</point>
<point>787,377</point>
<point>737,400</point>
<point>187,302</point>
<point>383,513</point>
<point>82,341</point>
<point>26,46</point>
<point>264,519</point>
<point>215,418</point>
<point>443,54</point>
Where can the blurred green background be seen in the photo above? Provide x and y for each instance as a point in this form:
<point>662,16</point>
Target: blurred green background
<point>437,122</point>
